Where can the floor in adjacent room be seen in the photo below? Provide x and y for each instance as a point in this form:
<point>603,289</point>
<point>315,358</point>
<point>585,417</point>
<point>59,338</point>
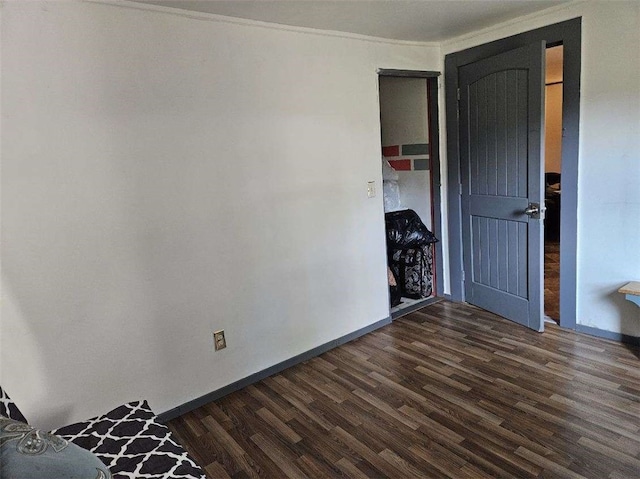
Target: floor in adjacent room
<point>447,391</point>
<point>552,280</point>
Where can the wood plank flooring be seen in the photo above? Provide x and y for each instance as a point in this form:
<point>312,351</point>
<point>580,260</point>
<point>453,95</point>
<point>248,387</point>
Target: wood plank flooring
<point>448,391</point>
<point>552,280</point>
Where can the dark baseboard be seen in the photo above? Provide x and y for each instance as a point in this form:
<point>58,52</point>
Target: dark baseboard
<point>242,383</point>
<point>601,333</point>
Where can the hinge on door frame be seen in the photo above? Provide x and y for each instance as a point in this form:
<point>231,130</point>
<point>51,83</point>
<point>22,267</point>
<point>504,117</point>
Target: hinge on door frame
<point>463,276</point>
<point>460,189</point>
<point>458,94</point>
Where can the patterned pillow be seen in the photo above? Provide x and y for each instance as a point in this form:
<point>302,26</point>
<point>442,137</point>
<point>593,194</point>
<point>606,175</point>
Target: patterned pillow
<point>8,408</point>
<point>133,444</point>
<point>28,453</point>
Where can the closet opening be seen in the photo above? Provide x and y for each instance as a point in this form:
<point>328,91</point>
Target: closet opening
<point>411,188</point>
<point>552,180</point>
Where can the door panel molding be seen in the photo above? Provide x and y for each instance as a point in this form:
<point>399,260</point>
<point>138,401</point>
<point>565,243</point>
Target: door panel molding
<point>568,33</point>
<point>505,208</point>
<point>500,124</point>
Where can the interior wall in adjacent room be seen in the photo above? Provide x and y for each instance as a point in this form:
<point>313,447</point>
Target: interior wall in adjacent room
<point>404,118</point>
<point>553,128</point>
<point>553,110</point>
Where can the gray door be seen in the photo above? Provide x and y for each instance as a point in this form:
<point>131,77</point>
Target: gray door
<point>501,135</point>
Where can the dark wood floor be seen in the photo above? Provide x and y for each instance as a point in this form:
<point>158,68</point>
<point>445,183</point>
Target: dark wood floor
<point>552,280</point>
<point>448,391</point>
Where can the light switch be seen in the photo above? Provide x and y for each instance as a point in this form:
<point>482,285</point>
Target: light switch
<point>371,189</point>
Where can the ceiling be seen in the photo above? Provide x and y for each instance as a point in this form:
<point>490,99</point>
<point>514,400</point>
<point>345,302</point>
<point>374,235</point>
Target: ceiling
<point>421,20</point>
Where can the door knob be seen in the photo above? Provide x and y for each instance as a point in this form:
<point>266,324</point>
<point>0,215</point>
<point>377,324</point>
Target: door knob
<point>533,210</point>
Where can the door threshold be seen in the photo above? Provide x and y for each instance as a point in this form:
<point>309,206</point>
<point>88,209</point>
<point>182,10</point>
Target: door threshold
<point>400,310</point>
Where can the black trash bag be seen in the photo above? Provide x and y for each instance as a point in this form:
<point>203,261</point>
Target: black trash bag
<point>406,230</point>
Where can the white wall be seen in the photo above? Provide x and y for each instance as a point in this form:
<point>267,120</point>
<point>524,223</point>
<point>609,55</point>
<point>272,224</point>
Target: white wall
<point>609,165</point>
<point>165,176</point>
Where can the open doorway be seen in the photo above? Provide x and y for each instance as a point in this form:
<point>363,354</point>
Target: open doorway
<point>552,177</point>
<point>568,34</point>
<point>411,183</point>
